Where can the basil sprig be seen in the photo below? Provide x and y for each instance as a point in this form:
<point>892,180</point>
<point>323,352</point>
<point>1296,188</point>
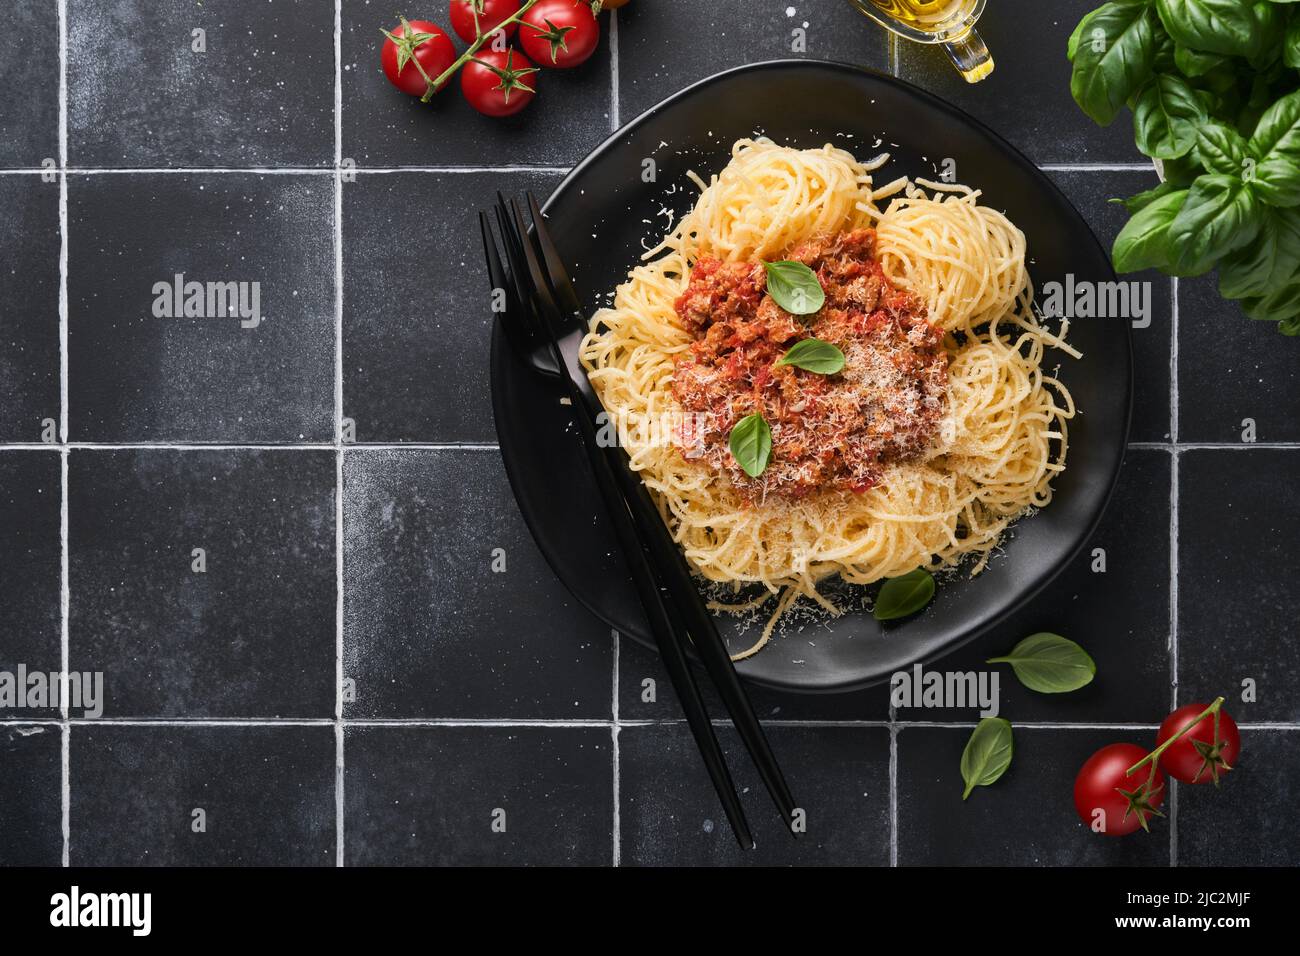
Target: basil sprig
<point>987,755</point>
<point>904,595</point>
<point>794,287</point>
<point>751,444</point>
<point>814,355</point>
<point>1049,663</point>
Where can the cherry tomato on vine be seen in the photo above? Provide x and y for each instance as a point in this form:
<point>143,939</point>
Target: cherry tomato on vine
<point>490,14</point>
<point>560,33</point>
<point>1112,802</point>
<point>498,83</point>
<point>1197,757</point>
<point>414,55</point>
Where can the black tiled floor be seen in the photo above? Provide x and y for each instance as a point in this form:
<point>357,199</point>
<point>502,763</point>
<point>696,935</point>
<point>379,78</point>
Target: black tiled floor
<point>1231,368</point>
<point>252,636</point>
<point>384,127</point>
<point>261,94</point>
<point>655,61</point>
<point>1237,567</point>
<point>1027,818</point>
<point>416,325</point>
<point>135,377</point>
<point>29,74</point>
<point>1027,99</point>
<point>31,820</point>
<point>1246,820</point>
<point>1091,192</point>
<point>29,308</point>
<point>670,813</point>
<point>30,631</point>
<point>430,629</point>
<point>267,796</point>
<point>431,795</point>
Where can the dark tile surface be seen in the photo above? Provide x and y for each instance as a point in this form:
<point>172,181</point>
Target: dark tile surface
<point>416,322</point>
<point>431,795</point>
<point>1119,616</point>
<point>29,74</point>
<point>1027,818</point>
<point>261,94</point>
<point>30,575</point>
<point>1027,99</point>
<point>252,636</point>
<point>267,796</point>
<point>29,307</point>
<point>670,813</point>
<point>655,59</point>
<point>1091,193</point>
<point>136,377</point>
<point>430,630</point>
<point>31,821</point>
<point>1231,368</point>
<point>1236,824</point>
<point>384,127</point>
<point>1237,564</point>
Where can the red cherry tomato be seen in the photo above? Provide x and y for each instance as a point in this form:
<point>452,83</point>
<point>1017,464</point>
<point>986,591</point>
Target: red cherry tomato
<point>1111,802</point>
<point>560,33</point>
<point>498,83</point>
<point>415,54</point>
<point>1196,757</point>
<point>490,13</point>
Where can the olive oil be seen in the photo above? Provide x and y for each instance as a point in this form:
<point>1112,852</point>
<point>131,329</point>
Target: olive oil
<point>935,17</point>
<point>950,23</point>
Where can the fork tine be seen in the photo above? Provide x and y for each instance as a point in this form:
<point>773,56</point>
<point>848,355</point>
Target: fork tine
<point>561,284</point>
<point>496,272</point>
<point>536,275</point>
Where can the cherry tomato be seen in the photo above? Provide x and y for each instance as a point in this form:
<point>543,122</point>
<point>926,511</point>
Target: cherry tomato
<point>560,33</point>
<point>1197,757</point>
<point>1111,802</point>
<point>415,54</point>
<point>490,13</point>
<point>498,83</point>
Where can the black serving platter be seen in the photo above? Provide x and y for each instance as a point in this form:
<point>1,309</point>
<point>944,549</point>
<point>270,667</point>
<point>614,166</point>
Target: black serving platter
<point>608,209</point>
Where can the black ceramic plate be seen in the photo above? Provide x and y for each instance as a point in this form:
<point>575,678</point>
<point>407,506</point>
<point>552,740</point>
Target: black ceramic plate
<point>604,210</point>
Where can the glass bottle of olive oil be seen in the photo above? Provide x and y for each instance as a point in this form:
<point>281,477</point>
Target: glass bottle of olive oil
<point>950,23</point>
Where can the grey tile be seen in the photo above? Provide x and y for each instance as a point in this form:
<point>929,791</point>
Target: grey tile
<point>253,635</point>
<point>141,96</point>
<point>29,74</point>
<point>430,628</point>
<point>457,796</point>
<point>266,796</point>
<point>31,822</point>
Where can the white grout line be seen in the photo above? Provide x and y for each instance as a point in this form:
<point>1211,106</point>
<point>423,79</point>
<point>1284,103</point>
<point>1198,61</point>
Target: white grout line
<point>306,446</point>
<point>339,831</point>
<point>893,787</point>
<point>617,766</point>
<point>1097,168</point>
<point>567,723</point>
<point>614,122</point>
<point>65,604</point>
<point>1173,546</point>
<point>287,170</point>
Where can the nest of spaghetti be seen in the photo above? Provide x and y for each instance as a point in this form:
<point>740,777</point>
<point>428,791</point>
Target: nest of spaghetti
<point>944,427</point>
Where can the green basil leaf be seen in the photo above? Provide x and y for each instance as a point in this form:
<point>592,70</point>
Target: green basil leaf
<point>1276,142</point>
<point>1143,199</point>
<point>1211,26</point>
<point>1279,305</point>
<point>1221,214</point>
<point>1049,663</point>
<point>794,287</point>
<point>1112,58</point>
<point>1143,243</point>
<point>1290,326</point>
<point>1194,63</point>
<point>1291,45</point>
<point>1269,262</point>
<point>814,355</point>
<point>987,755</point>
<point>1166,117</point>
<point>1221,149</point>
<point>904,595</point>
<point>751,444</point>
<point>1270,35</point>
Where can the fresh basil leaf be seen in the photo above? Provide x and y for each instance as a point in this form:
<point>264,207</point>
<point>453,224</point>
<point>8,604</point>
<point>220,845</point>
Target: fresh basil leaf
<point>751,444</point>
<point>1221,214</point>
<point>1278,305</point>
<point>794,287</point>
<point>814,355</point>
<point>1269,262</point>
<point>1049,663</point>
<point>1276,142</point>
<point>1270,34</point>
<point>1211,26</point>
<point>987,755</point>
<point>1290,326</point>
<point>1112,58</point>
<point>1291,45</point>
<point>1143,243</point>
<point>1194,63</point>
<point>1166,117</point>
<point>1143,199</point>
<point>1221,149</point>
<point>904,595</point>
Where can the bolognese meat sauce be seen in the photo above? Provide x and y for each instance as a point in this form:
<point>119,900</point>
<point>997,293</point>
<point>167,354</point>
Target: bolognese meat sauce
<point>834,432</point>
